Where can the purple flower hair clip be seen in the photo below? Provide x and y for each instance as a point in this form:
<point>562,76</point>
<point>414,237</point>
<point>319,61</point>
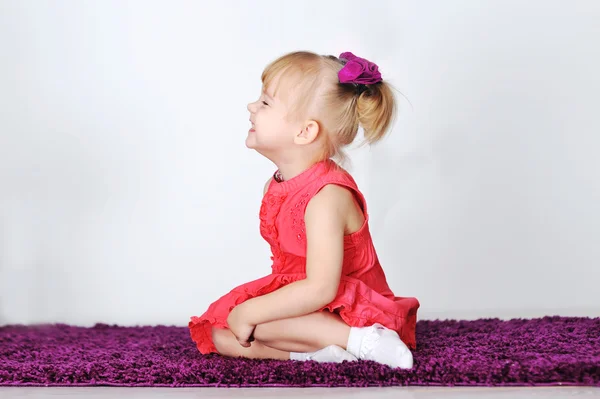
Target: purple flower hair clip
<point>358,71</point>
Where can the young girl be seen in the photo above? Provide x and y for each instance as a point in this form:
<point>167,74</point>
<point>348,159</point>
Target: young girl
<point>327,298</point>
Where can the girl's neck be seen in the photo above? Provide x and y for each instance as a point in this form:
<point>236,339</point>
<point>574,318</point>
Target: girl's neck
<point>287,171</point>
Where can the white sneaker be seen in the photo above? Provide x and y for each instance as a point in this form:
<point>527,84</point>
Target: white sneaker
<point>329,354</point>
<point>382,345</point>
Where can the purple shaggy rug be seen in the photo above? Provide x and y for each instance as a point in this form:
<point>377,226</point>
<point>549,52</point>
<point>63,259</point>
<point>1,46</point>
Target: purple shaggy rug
<point>487,352</point>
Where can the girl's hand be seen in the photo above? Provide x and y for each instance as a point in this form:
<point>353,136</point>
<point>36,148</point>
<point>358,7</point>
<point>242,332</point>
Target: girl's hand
<point>240,327</point>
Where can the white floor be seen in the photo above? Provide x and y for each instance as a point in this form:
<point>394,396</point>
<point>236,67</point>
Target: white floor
<point>255,393</point>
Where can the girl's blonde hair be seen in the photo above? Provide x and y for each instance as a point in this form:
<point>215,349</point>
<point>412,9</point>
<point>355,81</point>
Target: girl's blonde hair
<point>339,108</point>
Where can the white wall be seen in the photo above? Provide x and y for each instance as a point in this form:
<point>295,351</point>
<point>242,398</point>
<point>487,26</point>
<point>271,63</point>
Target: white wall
<point>127,194</point>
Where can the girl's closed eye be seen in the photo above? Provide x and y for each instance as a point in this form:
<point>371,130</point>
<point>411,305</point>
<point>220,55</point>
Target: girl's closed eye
<point>264,102</point>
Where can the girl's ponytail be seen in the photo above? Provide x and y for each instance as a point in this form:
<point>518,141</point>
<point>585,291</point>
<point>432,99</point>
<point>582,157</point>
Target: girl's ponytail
<point>375,109</point>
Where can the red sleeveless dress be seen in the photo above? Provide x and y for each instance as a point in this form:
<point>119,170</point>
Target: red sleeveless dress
<point>363,297</point>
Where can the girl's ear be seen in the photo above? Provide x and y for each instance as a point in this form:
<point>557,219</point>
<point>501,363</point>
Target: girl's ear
<point>308,134</point>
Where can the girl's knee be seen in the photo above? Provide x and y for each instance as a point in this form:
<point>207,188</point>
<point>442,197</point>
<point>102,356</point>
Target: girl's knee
<point>221,338</point>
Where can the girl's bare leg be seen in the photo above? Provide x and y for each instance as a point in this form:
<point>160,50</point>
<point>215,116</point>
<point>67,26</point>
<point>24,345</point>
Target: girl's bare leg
<point>307,333</point>
<point>318,336</point>
<point>228,345</point>
<point>276,339</point>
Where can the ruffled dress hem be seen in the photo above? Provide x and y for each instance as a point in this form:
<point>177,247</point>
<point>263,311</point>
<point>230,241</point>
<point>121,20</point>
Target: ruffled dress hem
<point>356,303</point>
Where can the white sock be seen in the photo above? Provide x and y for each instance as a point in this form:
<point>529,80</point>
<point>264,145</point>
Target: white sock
<point>355,340</point>
<point>329,354</point>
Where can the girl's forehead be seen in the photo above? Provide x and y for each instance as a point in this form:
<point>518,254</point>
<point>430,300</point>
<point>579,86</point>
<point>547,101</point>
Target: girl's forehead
<point>275,92</point>
<point>282,84</point>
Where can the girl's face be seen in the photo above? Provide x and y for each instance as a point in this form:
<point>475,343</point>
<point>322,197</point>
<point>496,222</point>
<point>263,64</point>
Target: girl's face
<point>271,133</point>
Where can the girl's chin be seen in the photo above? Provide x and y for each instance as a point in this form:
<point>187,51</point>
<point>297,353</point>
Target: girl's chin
<point>250,141</point>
